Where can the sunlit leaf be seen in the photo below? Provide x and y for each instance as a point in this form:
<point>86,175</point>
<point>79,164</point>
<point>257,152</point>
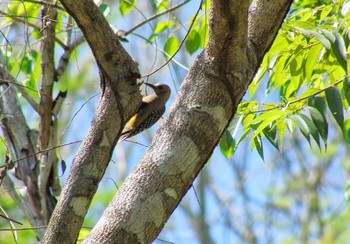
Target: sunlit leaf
<point>264,120</point>
<point>309,92</point>
<point>160,5</point>
<point>203,32</point>
<point>160,27</point>
<point>271,135</point>
<point>126,6</point>
<point>281,129</point>
<point>171,45</point>
<point>325,12</point>
<point>311,60</point>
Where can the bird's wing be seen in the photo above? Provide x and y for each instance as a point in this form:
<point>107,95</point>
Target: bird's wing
<point>131,124</point>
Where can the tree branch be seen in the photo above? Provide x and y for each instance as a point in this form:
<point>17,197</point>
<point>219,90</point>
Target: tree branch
<point>119,101</point>
<point>203,108</point>
<point>264,23</point>
<point>21,147</point>
<point>46,127</point>
<point>155,17</point>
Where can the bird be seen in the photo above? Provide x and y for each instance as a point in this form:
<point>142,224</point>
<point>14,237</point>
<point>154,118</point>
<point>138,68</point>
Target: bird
<point>150,111</point>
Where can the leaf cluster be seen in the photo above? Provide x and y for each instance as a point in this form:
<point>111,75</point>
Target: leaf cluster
<point>305,74</point>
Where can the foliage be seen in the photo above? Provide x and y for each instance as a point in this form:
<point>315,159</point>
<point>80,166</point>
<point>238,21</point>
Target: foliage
<point>307,67</point>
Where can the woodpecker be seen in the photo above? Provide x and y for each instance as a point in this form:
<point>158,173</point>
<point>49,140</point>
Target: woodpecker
<point>151,110</point>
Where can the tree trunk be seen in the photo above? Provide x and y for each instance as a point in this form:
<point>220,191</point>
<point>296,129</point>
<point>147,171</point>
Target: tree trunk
<point>239,37</point>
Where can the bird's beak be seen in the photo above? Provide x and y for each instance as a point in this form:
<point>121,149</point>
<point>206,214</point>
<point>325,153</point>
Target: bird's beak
<point>150,85</point>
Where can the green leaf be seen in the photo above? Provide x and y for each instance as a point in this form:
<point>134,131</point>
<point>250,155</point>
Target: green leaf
<point>257,142</point>
<point>310,92</point>
<point>300,122</point>
<point>320,105</point>
<point>346,87</point>
<point>325,12</point>
<point>193,41</point>
<point>160,27</point>
<point>203,32</point>
<point>126,6</point>
<point>329,35</point>
<point>312,128</point>
<point>27,64</point>
<point>104,8</point>
<point>325,42</point>
<point>160,5</point>
<point>335,105</point>
<point>306,33</point>
<point>339,50</point>
<point>279,76</point>
<point>265,120</point>
<point>227,144</point>
<point>311,60</point>
<point>267,116</point>
<point>271,135</point>
<point>320,122</point>
<point>171,45</point>
<point>281,129</point>
<point>346,132</point>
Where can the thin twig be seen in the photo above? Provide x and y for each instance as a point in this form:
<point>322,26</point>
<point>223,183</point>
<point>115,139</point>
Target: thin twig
<point>25,228</point>
<point>21,89</point>
<point>9,219</point>
<point>156,16</point>
<point>298,99</point>
<point>182,42</point>
<point>162,51</point>
<point>45,150</point>
<point>75,114</point>
<point>36,27</point>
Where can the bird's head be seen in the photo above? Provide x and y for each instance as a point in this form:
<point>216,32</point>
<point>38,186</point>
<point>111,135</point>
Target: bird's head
<point>161,90</point>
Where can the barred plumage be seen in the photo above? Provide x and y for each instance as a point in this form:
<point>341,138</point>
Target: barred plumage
<point>151,110</point>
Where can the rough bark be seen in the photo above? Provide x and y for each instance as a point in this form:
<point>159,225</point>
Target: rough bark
<point>203,108</point>
<point>120,99</point>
